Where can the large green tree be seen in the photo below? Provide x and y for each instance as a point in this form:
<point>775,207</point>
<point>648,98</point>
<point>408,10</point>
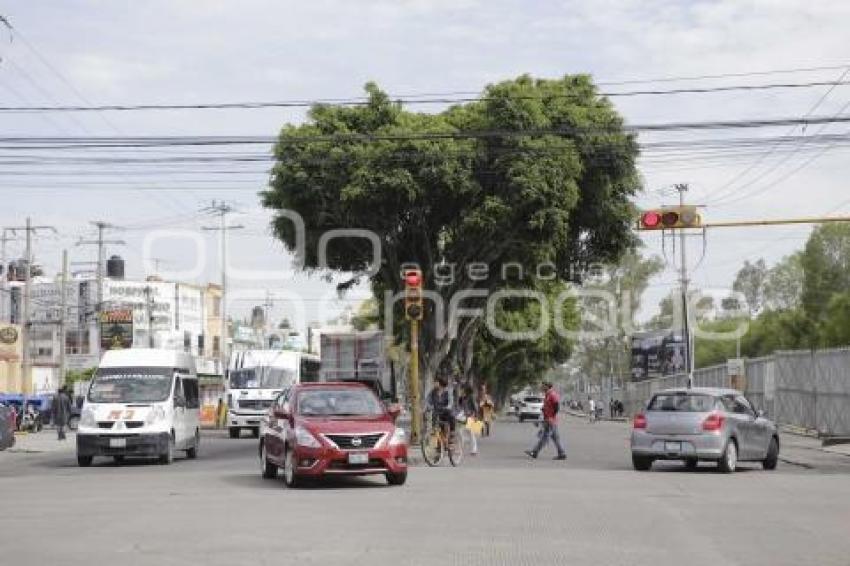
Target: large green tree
<point>750,282</point>
<point>535,172</point>
<point>783,288</point>
<point>826,265</point>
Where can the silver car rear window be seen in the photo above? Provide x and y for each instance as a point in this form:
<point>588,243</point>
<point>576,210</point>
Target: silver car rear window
<point>682,402</point>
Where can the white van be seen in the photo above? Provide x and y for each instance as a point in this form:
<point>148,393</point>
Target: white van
<point>141,402</point>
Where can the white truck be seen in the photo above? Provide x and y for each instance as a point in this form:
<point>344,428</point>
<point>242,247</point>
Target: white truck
<point>256,377</point>
<point>358,356</point>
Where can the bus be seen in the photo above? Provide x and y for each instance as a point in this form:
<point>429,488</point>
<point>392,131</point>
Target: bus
<point>256,377</point>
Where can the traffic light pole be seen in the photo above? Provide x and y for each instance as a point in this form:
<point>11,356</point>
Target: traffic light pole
<point>686,323</point>
<point>415,405</point>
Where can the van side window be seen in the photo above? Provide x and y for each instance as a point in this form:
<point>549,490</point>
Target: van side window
<point>190,390</point>
<point>178,388</point>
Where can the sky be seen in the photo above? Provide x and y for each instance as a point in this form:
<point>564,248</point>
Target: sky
<point>77,52</point>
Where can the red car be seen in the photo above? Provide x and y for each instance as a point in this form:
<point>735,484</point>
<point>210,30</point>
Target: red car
<point>314,430</point>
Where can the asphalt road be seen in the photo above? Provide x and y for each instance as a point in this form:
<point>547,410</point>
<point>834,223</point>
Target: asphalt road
<point>498,508</point>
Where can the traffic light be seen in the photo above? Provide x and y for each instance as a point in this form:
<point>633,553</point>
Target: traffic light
<point>670,217</point>
<point>413,309</point>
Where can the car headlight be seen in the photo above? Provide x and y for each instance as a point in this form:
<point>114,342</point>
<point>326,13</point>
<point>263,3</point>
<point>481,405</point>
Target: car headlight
<point>398,437</point>
<point>156,414</point>
<point>87,419</point>
<point>304,437</point>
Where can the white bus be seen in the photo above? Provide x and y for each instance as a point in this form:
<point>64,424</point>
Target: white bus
<point>255,377</point>
<point>141,402</point>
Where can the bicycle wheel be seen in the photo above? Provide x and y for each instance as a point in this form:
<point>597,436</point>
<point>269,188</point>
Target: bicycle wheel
<point>456,448</point>
<point>432,447</point>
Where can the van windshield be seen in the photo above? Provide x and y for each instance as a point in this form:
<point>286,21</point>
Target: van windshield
<point>131,385</point>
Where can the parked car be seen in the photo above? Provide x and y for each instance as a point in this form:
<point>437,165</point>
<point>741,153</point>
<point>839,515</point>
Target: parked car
<point>7,427</point>
<point>324,429</point>
<point>703,424</point>
<point>530,408</point>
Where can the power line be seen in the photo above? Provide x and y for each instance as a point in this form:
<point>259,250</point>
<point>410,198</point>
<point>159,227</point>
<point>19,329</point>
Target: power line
<point>362,101</point>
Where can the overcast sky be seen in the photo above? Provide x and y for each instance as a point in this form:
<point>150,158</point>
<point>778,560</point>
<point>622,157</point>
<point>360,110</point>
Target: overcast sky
<point>79,52</point>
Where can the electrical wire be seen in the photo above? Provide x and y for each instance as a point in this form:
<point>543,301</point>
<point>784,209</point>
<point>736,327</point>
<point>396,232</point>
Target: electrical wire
<point>363,101</point>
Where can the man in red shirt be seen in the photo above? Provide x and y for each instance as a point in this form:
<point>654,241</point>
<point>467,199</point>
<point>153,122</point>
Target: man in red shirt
<point>551,405</point>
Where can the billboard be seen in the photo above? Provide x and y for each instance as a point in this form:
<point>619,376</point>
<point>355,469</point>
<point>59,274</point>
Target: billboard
<point>10,343</point>
<point>116,329</point>
<point>655,354</point>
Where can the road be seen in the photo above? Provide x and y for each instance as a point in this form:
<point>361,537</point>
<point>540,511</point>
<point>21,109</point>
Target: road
<point>498,508</point>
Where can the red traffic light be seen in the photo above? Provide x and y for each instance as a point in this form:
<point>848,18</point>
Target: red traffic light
<point>650,219</point>
<point>413,279</point>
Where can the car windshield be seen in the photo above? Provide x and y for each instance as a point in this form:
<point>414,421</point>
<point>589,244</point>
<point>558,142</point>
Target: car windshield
<point>131,385</point>
<point>339,403</point>
<point>261,378</point>
<point>682,402</point>
<point>533,399</point>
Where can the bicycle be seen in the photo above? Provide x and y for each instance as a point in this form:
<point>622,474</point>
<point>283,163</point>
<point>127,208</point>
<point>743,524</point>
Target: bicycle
<point>439,441</point>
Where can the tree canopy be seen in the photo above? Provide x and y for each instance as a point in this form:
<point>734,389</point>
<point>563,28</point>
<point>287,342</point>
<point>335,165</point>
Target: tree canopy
<point>536,172</point>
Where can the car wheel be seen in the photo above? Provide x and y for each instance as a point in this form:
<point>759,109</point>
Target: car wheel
<point>397,479</point>
<point>290,478</point>
<point>84,461</point>
<point>769,463</point>
<point>729,459</point>
<point>192,452</point>
<point>641,463</point>
<point>267,469</point>
<point>234,432</point>
<point>691,464</point>
<point>255,432</point>
<point>73,422</point>
<point>168,456</point>
<point>118,460</point>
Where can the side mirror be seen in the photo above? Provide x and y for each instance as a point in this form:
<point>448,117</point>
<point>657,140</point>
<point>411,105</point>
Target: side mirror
<point>394,411</point>
<point>761,414</point>
<point>179,402</point>
<point>282,412</point>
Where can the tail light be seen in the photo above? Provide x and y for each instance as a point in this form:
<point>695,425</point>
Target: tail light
<point>639,421</point>
<point>713,422</point>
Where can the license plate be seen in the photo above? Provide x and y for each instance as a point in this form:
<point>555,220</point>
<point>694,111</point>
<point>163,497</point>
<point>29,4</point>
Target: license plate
<point>358,458</point>
<point>118,443</point>
<point>673,446</point>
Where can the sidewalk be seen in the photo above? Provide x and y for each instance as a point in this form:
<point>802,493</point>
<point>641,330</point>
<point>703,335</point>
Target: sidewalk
<point>809,452</point>
<point>41,442</point>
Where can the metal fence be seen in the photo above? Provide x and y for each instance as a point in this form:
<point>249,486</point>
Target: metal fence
<point>806,389</point>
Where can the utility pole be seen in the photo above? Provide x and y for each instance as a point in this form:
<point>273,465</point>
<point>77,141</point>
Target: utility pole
<point>686,325</point>
<point>100,242</point>
<point>4,267</point>
<point>26,362</point>
<point>63,296</point>
<point>149,311</point>
<point>267,310</point>
<point>222,209</point>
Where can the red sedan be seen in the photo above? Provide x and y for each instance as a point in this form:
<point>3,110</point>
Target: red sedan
<point>323,429</point>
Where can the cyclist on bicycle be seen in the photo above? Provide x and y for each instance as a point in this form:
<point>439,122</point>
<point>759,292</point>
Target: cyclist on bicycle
<point>440,404</point>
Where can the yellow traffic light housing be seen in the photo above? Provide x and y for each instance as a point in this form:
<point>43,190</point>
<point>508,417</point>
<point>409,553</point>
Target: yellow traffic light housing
<point>413,308</point>
<point>670,218</point>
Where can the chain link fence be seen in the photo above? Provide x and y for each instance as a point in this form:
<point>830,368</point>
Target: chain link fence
<point>805,389</point>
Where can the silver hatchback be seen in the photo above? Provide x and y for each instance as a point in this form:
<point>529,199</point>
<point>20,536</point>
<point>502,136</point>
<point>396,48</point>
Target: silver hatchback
<point>718,425</point>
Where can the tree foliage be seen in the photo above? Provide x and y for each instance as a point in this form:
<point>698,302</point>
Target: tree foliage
<point>486,183</point>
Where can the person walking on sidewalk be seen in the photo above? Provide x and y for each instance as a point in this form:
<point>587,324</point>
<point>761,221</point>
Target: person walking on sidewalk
<point>62,411</point>
<point>466,404</point>
<point>551,405</point>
